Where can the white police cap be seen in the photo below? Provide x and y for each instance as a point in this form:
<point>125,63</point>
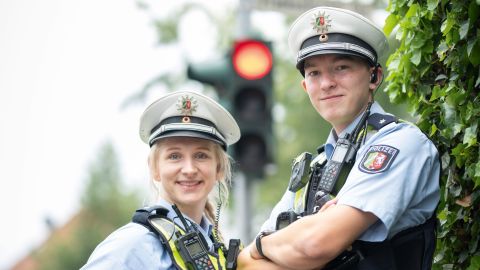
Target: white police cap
<point>188,114</point>
<point>329,30</point>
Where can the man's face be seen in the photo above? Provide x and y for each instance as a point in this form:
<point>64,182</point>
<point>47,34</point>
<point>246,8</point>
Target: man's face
<point>339,87</point>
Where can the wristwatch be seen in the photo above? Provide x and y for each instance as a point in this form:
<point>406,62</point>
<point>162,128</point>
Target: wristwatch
<point>258,242</point>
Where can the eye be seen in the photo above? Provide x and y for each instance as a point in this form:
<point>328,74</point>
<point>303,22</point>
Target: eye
<point>341,67</point>
<point>174,156</point>
<point>201,155</point>
<point>312,73</point>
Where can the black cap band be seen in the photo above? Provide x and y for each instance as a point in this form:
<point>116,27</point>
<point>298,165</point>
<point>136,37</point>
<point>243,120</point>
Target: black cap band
<point>336,43</point>
<point>191,126</point>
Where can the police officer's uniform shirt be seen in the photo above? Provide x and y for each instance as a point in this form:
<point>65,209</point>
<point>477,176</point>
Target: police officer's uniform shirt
<point>135,247</point>
<point>395,177</point>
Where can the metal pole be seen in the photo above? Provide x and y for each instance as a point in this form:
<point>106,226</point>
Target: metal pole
<point>242,185</point>
<point>243,18</point>
<point>243,207</point>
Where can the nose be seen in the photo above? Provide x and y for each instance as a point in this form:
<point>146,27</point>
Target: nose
<point>189,167</point>
<point>327,81</point>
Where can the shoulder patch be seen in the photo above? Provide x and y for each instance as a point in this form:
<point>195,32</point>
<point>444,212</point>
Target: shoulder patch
<point>378,158</point>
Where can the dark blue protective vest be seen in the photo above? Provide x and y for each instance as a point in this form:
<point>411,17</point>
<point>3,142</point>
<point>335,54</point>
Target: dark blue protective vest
<point>411,249</point>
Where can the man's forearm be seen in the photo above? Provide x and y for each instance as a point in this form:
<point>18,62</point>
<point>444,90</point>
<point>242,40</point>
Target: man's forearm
<point>312,241</point>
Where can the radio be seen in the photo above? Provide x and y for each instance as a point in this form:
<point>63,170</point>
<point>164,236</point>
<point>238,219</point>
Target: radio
<point>192,246</point>
<point>300,170</point>
<point>338,167</point>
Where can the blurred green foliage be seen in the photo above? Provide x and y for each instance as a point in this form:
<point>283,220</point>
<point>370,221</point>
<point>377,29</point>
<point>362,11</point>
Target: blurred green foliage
<point>435,70</point>
<point>105,207</point>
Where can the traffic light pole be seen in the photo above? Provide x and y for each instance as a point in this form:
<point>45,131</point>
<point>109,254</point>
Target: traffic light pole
<point>243,214</point>
<point>242,185</point>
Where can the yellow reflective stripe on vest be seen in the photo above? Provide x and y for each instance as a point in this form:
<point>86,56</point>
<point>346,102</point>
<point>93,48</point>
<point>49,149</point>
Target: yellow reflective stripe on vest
<point>300,201</point>
<point>167,228</point>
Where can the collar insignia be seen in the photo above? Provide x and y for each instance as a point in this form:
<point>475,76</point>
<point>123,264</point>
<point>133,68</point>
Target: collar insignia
<point>187,105</point>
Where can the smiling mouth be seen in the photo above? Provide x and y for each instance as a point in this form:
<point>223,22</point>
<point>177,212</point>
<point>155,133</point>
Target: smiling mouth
<point>188,183</point>
<point>331,97</point>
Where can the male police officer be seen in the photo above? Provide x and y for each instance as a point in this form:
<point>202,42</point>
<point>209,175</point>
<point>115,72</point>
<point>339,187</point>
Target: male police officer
<point>383,215</point>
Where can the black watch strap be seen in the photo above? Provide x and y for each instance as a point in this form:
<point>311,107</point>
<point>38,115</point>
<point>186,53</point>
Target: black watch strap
<point>258,242</point>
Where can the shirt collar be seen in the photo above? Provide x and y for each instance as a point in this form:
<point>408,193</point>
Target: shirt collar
<point>205,224</point>
<point>333,137</point>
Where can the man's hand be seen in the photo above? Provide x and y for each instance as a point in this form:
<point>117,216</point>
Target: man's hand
<point>328,204</point>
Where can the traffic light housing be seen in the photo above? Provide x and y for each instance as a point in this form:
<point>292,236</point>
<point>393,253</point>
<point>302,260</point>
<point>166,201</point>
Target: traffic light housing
<point>251,98</point>
<point>243,79</point>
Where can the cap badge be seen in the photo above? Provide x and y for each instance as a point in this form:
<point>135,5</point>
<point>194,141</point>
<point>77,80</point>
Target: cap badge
<point>321,23</point>
<point>186,105</point>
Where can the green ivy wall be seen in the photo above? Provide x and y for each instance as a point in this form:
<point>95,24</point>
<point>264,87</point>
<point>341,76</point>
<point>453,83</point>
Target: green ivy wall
<point>435,70</point>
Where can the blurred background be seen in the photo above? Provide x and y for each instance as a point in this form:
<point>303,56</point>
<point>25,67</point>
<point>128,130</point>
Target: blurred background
<point>75,77</point>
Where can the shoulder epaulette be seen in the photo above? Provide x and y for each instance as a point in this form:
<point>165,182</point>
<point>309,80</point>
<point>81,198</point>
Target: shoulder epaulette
<point>378,121</point>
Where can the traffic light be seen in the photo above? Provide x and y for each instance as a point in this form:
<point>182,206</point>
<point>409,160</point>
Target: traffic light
<point>251,96</point>
<point>243,79</point>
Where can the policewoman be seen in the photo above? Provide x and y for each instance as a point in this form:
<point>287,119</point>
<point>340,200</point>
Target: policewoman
<point>188,134</point>
<point>383,214</point>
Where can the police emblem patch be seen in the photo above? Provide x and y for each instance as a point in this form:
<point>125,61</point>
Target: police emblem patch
<point>378,158</point>
<point>187,105</point>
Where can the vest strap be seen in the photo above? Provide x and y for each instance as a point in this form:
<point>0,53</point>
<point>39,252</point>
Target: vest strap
<point>155,220</point>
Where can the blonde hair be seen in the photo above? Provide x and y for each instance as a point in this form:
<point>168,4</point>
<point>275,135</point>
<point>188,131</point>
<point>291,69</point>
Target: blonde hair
<point>224,167</point>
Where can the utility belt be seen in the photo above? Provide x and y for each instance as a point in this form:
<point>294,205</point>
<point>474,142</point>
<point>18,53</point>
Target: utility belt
<point>317,180</point>
<point>186,246</point>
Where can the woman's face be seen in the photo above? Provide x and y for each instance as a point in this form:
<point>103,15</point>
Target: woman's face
<point>187,169</point>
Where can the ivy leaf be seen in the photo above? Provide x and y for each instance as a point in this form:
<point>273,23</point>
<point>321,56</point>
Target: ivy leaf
<point>473,10</point>
<point>416,57</point>
<point>477,174</point>
<point>470,136</point>
<point>464,29</point>
<point>433,130</point>
<point>475,260</point>
<point>432,4</point>
<point>478,77</point>
<point>447,25</point>
<point>412,11</point>
<point>436,93</point>
<point>390,23</point>
<point>473,50</point>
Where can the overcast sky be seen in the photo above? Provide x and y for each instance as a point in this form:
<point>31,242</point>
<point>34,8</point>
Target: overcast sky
<point>65,68</point>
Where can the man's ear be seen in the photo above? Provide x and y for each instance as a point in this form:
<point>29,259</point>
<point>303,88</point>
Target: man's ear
<point>376,78</point>
<point>304,85</point>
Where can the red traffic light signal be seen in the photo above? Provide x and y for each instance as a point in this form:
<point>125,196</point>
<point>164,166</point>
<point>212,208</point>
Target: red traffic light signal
<point>251,59</point>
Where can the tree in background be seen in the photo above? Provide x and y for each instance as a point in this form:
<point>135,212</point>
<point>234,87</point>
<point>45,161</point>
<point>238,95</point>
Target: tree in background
<point>105,206</point>
<point>298,127</point>
<point>435,70</point>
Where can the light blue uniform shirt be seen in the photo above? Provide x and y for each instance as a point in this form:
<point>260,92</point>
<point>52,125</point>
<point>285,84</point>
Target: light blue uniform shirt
<point>134,247</point>
<point>402,192</point>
